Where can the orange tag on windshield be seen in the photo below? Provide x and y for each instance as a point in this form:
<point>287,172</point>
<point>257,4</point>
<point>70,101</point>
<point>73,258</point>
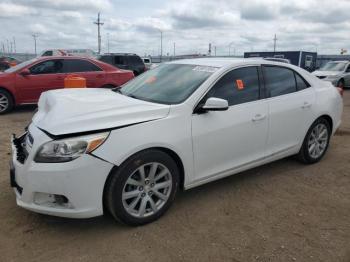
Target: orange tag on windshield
<point>239,84</point>
<point>151,80</point>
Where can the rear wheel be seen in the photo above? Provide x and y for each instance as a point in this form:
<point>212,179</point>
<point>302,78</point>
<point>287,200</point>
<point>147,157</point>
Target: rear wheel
<point>6,102</point>
<point>142,188</point>
<point>316,142</point>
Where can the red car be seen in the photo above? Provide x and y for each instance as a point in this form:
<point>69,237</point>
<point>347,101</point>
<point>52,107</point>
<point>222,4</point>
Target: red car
<point>23,84</point>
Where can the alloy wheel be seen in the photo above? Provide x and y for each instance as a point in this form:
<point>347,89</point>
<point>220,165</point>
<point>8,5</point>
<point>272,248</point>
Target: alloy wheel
<point>4,102</point>
<point>318,140</point>
<point>147,189</point>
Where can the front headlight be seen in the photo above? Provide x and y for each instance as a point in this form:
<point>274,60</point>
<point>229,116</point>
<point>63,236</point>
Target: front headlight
<point>65,150</point>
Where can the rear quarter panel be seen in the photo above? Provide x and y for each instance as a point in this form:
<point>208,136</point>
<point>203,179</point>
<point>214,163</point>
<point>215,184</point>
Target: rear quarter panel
<point>329,102</point>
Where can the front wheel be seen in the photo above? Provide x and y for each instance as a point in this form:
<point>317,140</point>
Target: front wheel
<point>142,188</point>
<point>316,142</point>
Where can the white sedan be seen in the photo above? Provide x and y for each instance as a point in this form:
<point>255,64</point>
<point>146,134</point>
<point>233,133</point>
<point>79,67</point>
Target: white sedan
<point>178,126</point>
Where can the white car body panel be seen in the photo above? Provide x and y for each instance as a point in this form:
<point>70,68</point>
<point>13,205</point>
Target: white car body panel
<point>208,145</point>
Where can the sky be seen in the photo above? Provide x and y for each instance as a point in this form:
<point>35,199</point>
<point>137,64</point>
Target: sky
<point>232,26</point>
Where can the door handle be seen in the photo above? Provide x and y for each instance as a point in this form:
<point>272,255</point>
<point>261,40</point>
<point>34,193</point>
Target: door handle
<point>306,105</point>
<point>258,117</point>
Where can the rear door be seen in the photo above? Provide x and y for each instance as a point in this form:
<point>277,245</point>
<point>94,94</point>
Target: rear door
<point>291,100</point>
<point>44,76</point>
<point>94,75</point>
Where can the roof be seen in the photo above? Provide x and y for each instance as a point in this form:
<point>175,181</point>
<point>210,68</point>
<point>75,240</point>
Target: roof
<point>218,62</point>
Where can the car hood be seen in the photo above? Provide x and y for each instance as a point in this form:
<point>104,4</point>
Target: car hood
<point>69,111</point>
<point>326,73</point>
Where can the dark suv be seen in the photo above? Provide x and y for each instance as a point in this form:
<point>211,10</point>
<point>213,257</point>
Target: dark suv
<point>125,61</point>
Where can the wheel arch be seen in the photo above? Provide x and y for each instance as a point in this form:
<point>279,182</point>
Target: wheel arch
<point>9,91</point>
<point>168,151</point>
<point>329,119</point>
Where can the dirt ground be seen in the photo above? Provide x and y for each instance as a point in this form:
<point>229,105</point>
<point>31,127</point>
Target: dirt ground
<point>284,211</point>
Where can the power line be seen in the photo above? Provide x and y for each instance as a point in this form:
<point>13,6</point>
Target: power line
<point>99,24</point>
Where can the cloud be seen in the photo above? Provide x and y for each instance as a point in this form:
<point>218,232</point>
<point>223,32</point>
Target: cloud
<point>133,26</point>
<point>8,10</point>
<point>74,5</point>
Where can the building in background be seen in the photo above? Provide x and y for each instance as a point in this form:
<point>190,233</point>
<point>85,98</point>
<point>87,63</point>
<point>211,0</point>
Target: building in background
<point>303,59</point>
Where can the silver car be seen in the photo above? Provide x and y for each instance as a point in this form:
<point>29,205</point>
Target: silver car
<point>336,72</point>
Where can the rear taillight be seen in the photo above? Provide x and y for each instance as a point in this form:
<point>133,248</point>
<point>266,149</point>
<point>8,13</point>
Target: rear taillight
<point>341,91</point>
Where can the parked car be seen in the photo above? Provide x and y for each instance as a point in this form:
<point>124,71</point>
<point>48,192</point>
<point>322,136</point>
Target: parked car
<point>24,83</point>
<point>70,52</point>
<point>180,125</point>
<point>125,61</point>
<point>6,62</point>
<point>148,62</point>
<point>336,72</point>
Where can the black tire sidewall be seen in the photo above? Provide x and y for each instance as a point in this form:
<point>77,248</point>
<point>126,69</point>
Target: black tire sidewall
<point>10,101</point>
<point>118,178</point>
<point>305,151</point>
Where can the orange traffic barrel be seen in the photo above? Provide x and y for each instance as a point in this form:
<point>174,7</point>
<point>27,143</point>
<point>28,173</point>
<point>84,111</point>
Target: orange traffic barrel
<point>74,81</point>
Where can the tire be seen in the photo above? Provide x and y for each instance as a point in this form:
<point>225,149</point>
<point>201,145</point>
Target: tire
<point>126,193</point>
<point>341,84</point>
<point>108,86</point>
<point>315,144</point>
<point>6,102</point>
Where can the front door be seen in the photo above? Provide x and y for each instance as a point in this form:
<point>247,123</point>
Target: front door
<point>225,140</point>
<point>44,76</point>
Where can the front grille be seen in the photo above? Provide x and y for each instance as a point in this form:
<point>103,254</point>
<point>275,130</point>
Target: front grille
<point>321,77</point>
<point>22,153</point>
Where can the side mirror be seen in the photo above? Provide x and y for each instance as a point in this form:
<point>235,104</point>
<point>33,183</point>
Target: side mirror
<point>215,104</point>
<point>25,72</point>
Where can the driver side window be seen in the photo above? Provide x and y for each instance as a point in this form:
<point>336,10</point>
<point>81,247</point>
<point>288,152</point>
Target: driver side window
<point>238,86</point>
<point>47,67</point>
<point>348,69</point>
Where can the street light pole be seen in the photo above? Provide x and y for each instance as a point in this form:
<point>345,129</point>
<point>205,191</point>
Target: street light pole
<point>229,48</point>
<point>161,44</point>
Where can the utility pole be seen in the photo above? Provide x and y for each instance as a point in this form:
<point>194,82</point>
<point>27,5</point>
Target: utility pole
<point>8,46</point>
<point>35,36</point>
<point>274,43</point>
<point>98,23</point>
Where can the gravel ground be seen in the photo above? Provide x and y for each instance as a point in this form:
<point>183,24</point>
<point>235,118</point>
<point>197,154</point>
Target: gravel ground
<point>283,211</point>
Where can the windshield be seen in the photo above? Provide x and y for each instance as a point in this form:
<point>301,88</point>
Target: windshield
<point>20,66</point>
<point>333,66</point>
<point>167,83</point>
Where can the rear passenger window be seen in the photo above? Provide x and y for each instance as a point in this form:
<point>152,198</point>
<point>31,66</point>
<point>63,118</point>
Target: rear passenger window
<point>301,83</point>
<point>279,80</point>
<point>76,66</point>
<point>119,60</point>
<point>238,86</point>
